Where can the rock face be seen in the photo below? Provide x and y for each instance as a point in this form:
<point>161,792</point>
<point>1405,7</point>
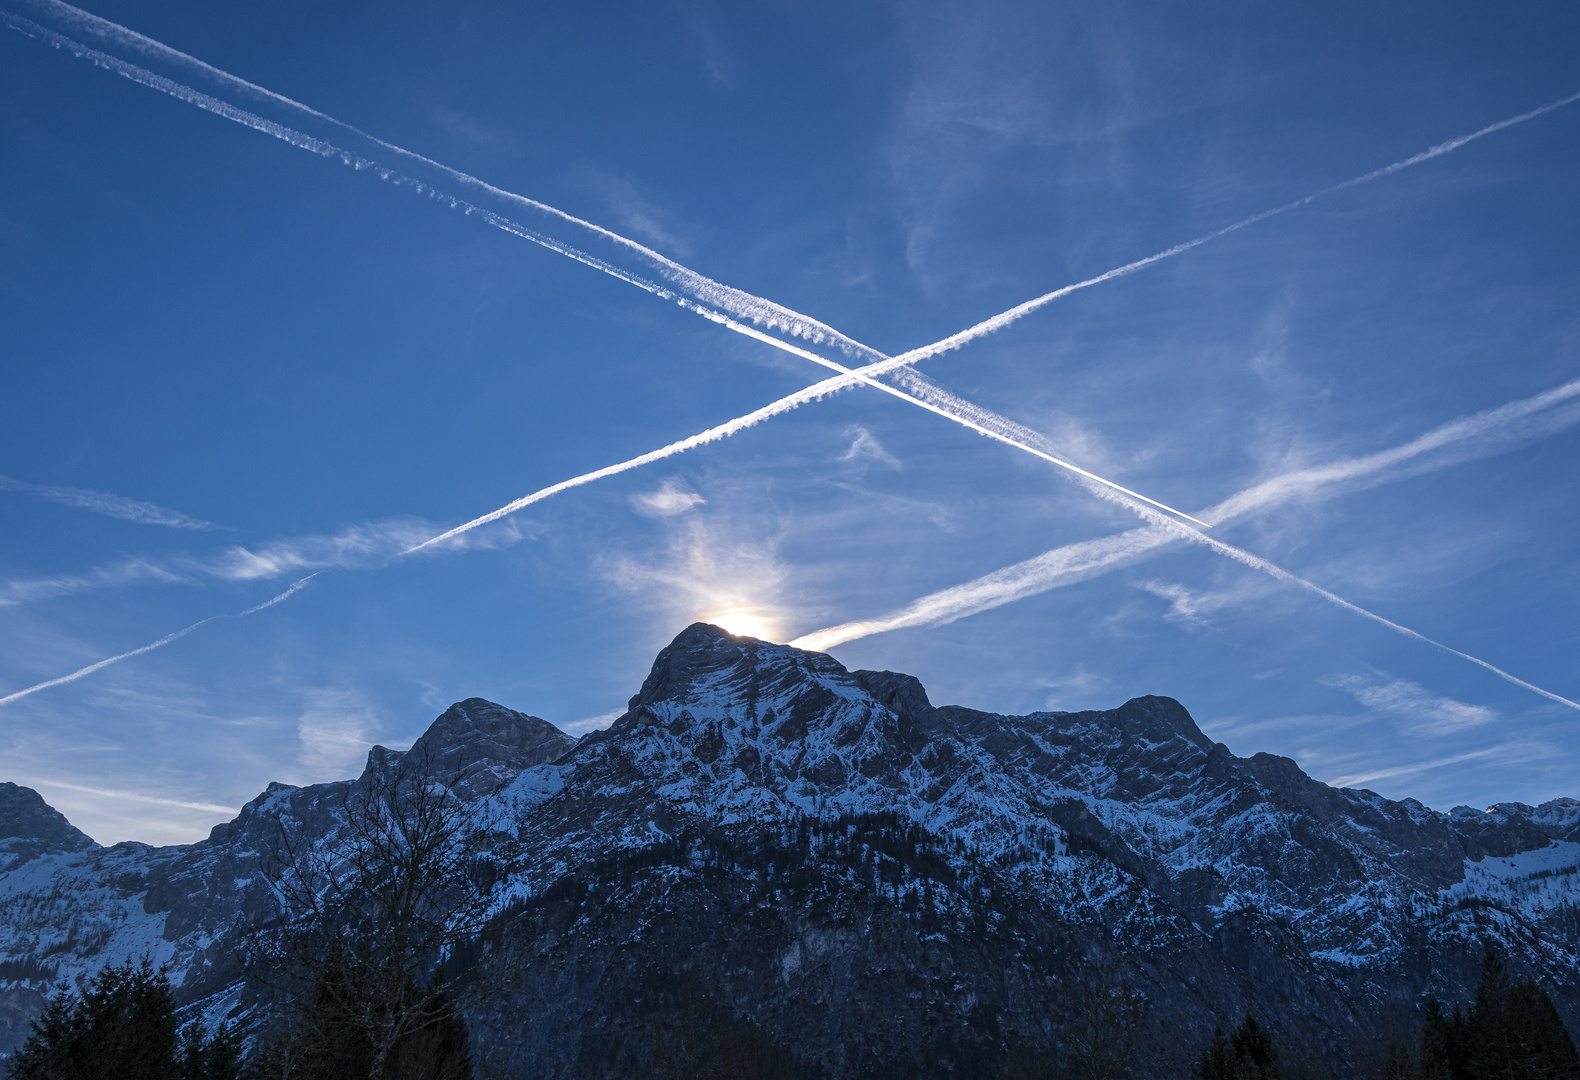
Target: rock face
<point>30,827</point>
<point>879,886</point>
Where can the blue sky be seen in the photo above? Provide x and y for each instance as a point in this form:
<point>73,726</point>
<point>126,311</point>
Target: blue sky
<point>277,364</point>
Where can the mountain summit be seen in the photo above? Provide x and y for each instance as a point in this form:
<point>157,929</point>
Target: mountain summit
<point>874,884</point>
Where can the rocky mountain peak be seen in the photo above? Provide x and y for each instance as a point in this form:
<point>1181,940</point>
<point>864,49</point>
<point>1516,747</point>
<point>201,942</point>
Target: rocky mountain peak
<point>484,745</point>
<point>904,695</point>
<point>30,827</point>
<point>705,660</point>
<point>1155,719</point>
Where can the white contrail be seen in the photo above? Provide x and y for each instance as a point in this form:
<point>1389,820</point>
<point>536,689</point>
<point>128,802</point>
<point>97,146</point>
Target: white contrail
<point>1076,562</point>
<point>151,646</point>
<point>1502,423</point>
<point>1062,566</point>
<point>928,394</point>
<point>998,322</point>
<point>713,434</point>
<point>942,401</point>
<point>740,303</point>
<point>743,304</point>
<point>951,407</point>
<point>1094,483</point>
<point>734,301</point>
<point>1479,434</point>
<point>1256,562</point>
<point>115,506</point>
<point>737,302</point>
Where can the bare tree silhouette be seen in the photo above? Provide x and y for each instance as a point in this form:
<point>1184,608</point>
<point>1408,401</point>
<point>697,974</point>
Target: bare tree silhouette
<point>376,933</point>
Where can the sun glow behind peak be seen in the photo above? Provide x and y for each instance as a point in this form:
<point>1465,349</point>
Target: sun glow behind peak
<point>742,619</point>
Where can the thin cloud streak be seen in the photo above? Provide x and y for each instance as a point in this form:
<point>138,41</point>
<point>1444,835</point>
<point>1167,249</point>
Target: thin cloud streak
<point>1425,713</point>
<point>213,808</point>
<point>1477,435</point>
<point>1411,770</point>
<point>363,546</point>
<point>151,646</point>
<point>1074,562</point>
<point>115,506</point>
<point>125,572</point>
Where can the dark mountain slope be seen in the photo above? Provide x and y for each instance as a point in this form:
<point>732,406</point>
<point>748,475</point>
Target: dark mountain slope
<point>819,867</point>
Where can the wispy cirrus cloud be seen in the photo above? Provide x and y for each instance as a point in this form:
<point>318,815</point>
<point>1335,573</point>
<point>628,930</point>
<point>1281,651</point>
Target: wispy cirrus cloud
<point>1423,712</point>
<point>1508,754</point>
<point>668,500</point>
<point>334,731</point>
<point>364,546</point>
<point>593,723</point>
<point>16,592</point>
<point>865,447</point>
<point>1194,607</point>
<point>1467,438</point>
<point>635,210</point>
<point>116,506</point>
<point>355,547</point>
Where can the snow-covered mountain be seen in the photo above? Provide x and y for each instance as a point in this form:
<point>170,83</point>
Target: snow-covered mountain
<point>877,884</point>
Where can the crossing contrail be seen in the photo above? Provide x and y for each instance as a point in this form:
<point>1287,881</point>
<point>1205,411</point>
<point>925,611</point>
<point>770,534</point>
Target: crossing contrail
<point>151,646</point>
<point>1480,434</point>
<point>941,402</point>
<point>697,287</point>
<point>991,424</point>
<point>737,302</point>
<point>703,295</point>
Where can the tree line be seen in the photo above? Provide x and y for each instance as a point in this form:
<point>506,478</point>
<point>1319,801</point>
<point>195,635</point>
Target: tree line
<point>360,963</point>
<point>1511,1031</point>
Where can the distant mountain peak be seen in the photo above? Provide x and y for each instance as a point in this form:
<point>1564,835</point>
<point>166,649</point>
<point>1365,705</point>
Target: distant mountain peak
<point>482,745</point>
<point>30,827</point>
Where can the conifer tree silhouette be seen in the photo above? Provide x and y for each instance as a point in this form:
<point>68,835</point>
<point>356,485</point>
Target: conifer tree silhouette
<point>122,1026</point>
